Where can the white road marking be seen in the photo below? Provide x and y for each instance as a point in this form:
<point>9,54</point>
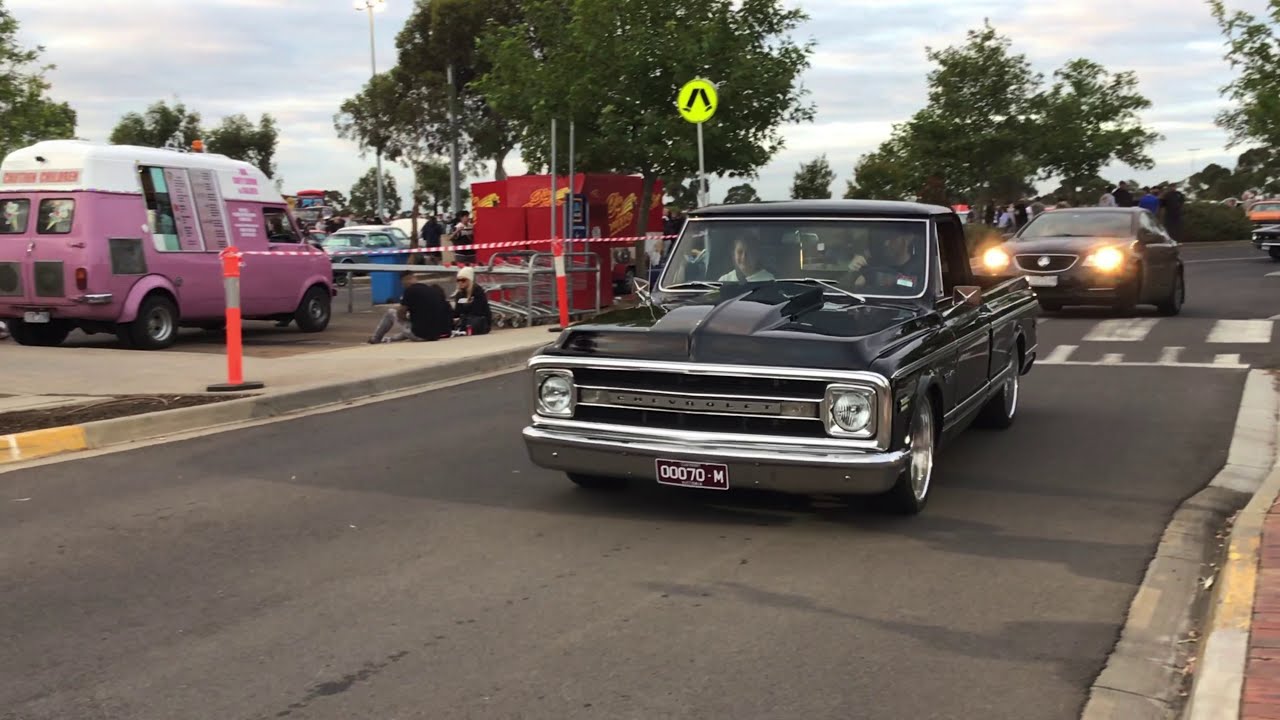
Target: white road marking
<point>1274,274</point>
<point>1239,259</point>
<point>1227,359</point>
<point>1169,355</point>
<point>1274,317</point>
<point>1099,363</point>
<point>1241,331</point>
<point>1128,330</point>
<point>1060,354</point>
<point>1112,359</point>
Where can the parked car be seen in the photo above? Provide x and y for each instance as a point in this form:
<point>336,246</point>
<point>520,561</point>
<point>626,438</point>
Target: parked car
<point>125,240</point>
<point>353,246</point>
<point>400,237</point>
<point>1267,238</point>
<point>802,346</point>
<point>1117,257</point>
<point>1263,212</point>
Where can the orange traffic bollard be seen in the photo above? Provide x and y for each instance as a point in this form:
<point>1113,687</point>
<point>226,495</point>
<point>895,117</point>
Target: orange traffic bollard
<point>235,350</point>
<point>562,282</point>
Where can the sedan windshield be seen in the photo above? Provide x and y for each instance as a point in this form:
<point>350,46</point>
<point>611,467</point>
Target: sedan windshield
<point>344,240</point>
<point>885,258</point>
<point>1086,223</point>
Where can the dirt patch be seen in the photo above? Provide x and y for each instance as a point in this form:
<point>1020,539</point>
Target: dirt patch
<point>106,408</point>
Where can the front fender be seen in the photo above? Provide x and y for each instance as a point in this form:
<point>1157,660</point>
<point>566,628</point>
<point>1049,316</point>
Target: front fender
<point>129,312</point>
<point>323,280</point>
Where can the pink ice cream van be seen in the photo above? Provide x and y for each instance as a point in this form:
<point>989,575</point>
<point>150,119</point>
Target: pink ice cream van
<point>125,240</point>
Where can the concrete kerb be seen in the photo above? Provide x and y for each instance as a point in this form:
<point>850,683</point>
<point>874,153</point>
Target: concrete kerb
<point>104,433</point>
<point>1144,674</point>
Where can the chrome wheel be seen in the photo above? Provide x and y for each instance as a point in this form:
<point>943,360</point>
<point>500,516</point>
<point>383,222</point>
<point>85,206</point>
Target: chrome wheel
<point>159,324</point>
<point>921,446</point>
<point>1011,391</point>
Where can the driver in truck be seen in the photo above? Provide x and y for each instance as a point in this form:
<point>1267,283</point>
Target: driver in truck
<point>890,266</point>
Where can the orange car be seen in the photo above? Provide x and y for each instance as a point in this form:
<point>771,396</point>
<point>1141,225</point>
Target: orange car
<point>1264,212</point>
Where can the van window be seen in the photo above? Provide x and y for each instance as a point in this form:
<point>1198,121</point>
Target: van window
<point>13,216</point>
<point>279,227</point>
<point>56,216</point>
<point>164,229</point>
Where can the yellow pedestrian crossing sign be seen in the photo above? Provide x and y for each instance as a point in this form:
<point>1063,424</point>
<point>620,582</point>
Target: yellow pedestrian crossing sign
<point>697,100</point>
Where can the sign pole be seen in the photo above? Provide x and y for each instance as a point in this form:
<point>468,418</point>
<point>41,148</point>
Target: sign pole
<point>702,172</point>
<point>697,102</point>
<point>553,179</point>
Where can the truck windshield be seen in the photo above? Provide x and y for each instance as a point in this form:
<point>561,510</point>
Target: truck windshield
<point>13,216</point>
<point>870,257</point>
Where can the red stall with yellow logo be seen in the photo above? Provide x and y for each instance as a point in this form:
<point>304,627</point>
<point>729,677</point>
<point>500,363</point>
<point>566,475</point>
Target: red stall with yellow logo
<point>518,209</point>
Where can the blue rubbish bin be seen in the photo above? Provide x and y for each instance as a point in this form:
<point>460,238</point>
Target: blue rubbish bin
<point>385,286</point>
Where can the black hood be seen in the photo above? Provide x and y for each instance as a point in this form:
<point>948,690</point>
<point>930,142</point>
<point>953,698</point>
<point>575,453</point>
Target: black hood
<point>777,323</point>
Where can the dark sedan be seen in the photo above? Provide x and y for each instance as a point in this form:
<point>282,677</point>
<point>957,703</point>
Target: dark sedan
<point>1118,257</point>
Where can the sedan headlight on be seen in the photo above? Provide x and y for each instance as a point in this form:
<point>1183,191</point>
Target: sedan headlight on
<point>554,393</point>
<point>850,411</point>
<point>995,260</point>
<point>1107,259</point>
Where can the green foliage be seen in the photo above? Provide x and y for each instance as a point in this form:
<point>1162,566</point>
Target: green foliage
<point>683,192</point>
<point>813,180</point>
<point>336,200</point>
<point>27,114</point>
<point>237,137</point>
<point>614,67</point>
<point>364,195</point>
<point>1253,50</point>
<point>739,194</point>
<point>882,175</point>
<point>431,186</point>
<point>1214,222</point>
<point>159,126</point>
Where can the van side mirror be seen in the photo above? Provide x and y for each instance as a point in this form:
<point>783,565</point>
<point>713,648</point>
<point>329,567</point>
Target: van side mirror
<point>968,295</point>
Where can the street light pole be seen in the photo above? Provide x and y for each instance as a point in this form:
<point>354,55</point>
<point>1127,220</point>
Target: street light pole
<point>371,6</point>
<point>455,201</point>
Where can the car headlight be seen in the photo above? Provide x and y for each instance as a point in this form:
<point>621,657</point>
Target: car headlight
<point>850,411</point>
<point>554,392</point>
<point>995,260</point>
<point>1106,259</point>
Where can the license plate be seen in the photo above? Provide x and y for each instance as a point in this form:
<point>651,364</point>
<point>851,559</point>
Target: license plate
<point>1042,280</point>
<point>708,476</point>
<point>35,317</point>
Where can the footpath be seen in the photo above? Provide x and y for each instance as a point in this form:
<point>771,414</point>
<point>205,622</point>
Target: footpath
<point>36,379</point>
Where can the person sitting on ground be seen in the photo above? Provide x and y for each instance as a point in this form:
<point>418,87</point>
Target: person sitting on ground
<point>746,264</point>
<point>471,313</point>
<point>423,314</point>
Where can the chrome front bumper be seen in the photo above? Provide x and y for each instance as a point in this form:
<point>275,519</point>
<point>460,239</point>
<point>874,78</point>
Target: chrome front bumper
<point>762,465</point>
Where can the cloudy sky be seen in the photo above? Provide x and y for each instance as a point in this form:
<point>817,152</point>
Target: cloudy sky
<point>298,59</point>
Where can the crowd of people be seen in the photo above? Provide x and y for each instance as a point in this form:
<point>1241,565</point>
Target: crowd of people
<point>1164,201</point>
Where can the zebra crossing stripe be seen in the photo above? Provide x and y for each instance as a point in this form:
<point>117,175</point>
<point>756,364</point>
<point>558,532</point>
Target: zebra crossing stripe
<point>1126,330</point>
<point>1060,354</point>
<point>1240,331</point>
<point>1169,355</point>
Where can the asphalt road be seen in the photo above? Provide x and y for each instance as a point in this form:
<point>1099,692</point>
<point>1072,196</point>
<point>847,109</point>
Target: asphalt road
<point>404,560</point>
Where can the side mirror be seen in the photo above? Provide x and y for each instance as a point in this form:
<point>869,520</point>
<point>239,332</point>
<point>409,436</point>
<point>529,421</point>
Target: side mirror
<point>968,295</point>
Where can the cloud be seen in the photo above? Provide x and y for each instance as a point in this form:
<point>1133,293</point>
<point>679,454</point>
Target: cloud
<point>298,59</point>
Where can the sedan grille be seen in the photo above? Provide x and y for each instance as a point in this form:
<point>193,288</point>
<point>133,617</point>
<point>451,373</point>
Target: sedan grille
<point>1044,262</point>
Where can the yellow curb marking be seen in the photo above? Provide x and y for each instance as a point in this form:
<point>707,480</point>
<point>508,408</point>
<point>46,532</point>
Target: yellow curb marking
<point>41,443</point>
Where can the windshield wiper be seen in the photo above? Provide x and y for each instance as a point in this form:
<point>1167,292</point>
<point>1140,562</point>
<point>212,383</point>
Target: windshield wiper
<point>694,284</point>
<point>828,284</point>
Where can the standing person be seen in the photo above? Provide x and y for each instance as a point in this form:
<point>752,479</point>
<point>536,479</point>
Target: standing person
<point>464,234</point>
<point>1034,211</point>
<point>471,313</point>
<point>989,213</point>
<point>1149,201</point>
<point>1020,214</point>
<point>1006,221</point>
<point>422,315</point>
<point>1172,202</point>
<point>432,231</point>
<point>1122,196</point>
<point>1107,199</point>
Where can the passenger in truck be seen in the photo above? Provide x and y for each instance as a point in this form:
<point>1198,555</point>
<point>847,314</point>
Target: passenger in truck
<point>746,261</point>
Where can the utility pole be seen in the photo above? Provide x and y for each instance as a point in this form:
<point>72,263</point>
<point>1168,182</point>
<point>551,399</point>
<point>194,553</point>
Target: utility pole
<point>455,200</point>
<point>370,6</point>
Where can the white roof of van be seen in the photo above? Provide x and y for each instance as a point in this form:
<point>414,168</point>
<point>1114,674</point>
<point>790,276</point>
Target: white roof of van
<point>66,165</point>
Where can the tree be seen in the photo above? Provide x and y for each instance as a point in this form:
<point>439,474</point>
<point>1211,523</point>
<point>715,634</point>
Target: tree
<point>336,200</point>
<point>739,194</point>
<point>238,138</point>
<point>1253,51</point>
<point>882,175</point>
<point>405,112</point>
<point>567,59</point>
<point>682,191</point>
<point>158,126</point>
<point>813,180</point>
<point>431,186</point>
<point>364,195</point>
<point>1088,119</point>
<point>27,114</point>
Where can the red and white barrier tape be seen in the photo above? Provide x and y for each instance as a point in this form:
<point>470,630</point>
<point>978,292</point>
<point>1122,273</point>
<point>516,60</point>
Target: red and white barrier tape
<point>455,248</point>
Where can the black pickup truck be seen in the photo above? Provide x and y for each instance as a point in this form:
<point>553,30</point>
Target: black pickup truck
<point>824,347</point>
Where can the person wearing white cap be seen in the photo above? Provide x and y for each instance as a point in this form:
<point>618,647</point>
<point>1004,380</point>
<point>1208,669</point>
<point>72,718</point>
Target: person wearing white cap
<point>471,313</point>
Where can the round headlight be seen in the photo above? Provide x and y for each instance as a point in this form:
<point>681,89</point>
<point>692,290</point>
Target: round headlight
<point>851,412</point>
<point>555,393</point>
<point>1107,259</point>
<point>995,259</point>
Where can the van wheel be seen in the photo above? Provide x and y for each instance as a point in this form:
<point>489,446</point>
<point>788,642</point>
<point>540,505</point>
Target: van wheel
<point>156,326</point>
<point>39,334</point>
<point>315,310</point>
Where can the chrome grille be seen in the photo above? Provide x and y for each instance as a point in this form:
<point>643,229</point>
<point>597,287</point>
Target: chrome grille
<point>49,280</point>
<point>1053,263</point>
<point>10,279</point>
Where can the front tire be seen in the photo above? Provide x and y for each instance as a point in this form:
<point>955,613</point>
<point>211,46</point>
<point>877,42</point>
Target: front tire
<point>910,494</point>
<point>1172,305</point>
<point>1001,410</point>
<point>49,334</point>
<point>595,482</point>
<point>156,326</point>
<point>1274,252</point>
<point>1050,306</point>
<point>315,311</point>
